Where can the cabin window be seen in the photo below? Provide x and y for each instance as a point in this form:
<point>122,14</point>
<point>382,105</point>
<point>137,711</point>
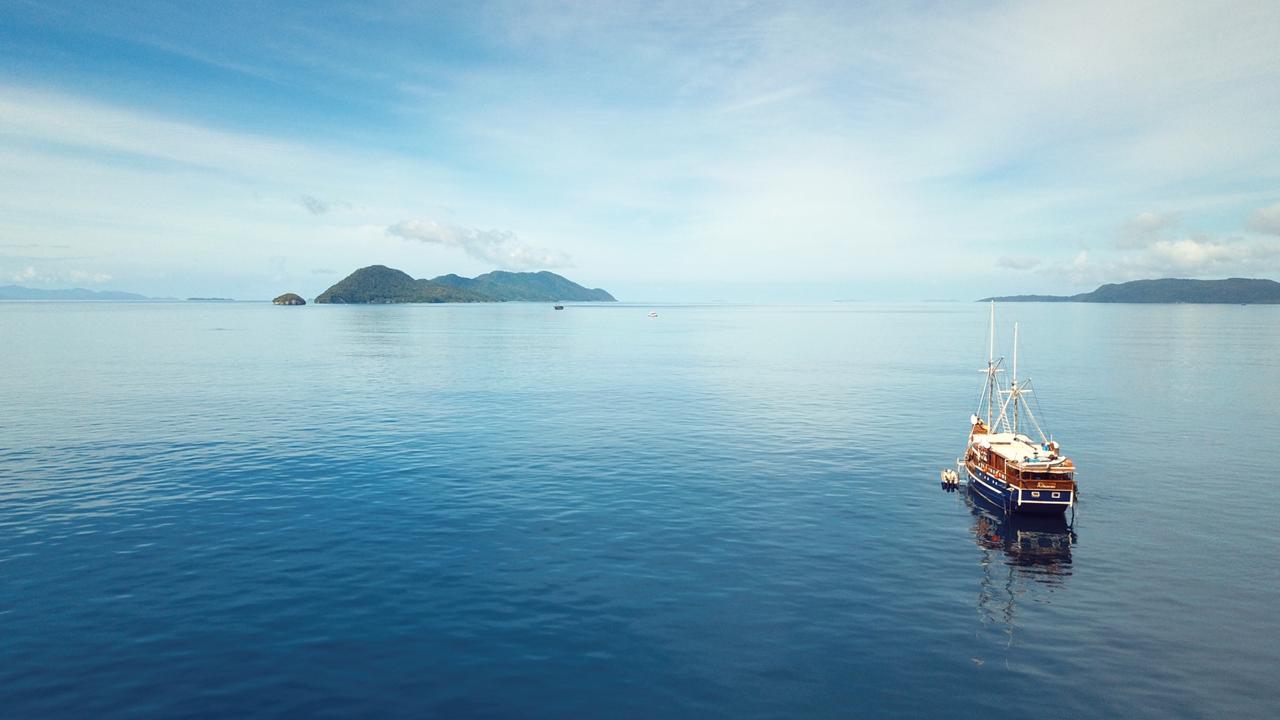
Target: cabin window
<point>1057,495</point>
<point>1035,493</point>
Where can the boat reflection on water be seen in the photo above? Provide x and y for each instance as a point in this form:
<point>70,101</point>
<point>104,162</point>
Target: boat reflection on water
<point>1041,544</point>
<point>1021,555</point>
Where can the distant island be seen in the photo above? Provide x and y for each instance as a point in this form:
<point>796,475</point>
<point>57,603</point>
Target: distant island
<point>1235,291</point>
<point>17,292</point>
<point>211,299</point>
<point>289,299</point>
<point>381,284</point>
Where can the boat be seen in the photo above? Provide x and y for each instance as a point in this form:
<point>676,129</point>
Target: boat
<point>1003,464</point>
<point>559,307</point>
<point>653,313</point>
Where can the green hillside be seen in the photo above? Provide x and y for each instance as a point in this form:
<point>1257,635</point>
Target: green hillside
<point>1234,291</point>
<point>381,284</point>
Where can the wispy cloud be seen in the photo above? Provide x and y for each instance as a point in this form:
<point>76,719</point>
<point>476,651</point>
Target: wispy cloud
<point>316,206</point>
<point>92,278</point>
<point>726,141</point>
<point>1144,229</point>
<point>31,275</point>
<point>499,247</point>
<point>34,246</point>
<point>1019,262</point>
<point>1266,220</point>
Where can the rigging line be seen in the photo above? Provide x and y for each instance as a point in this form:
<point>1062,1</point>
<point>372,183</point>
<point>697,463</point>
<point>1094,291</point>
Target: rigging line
<point>1034,422</point>
<point>1039,410</point>
<point>1003,408</point>
<point>982,395</point>
<point>985,390</point>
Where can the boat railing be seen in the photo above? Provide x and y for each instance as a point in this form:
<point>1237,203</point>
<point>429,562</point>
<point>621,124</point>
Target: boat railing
<point>1063,481</point>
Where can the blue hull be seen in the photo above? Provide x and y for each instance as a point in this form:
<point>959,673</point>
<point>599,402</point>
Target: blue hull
<point>1011,499</point>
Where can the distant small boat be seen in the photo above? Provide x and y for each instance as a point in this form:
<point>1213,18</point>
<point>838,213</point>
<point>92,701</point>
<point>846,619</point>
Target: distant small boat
<point>1004,465</point>
<point>559,307</point>
<point>653,313</point>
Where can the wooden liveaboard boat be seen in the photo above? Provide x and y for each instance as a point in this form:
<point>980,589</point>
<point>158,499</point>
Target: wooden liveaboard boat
<point>1005,466</point>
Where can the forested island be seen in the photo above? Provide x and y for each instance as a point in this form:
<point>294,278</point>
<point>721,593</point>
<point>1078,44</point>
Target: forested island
<point>381,284</point>
<point>1236,291</point>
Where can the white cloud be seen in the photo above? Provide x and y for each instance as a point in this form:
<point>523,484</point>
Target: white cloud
<point>1266,220</point>
<point>1204,256</point>
<point>499,247</point>
<point>1189,257</point>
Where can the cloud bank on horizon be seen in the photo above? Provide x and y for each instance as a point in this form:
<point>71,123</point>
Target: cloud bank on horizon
<point>717,151</point>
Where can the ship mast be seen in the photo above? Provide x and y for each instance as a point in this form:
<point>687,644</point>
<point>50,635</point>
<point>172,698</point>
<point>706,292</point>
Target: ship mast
<point>991,392</point>
<point>1015,403</point>
<point>991,367</point>
<point>1014,380</point>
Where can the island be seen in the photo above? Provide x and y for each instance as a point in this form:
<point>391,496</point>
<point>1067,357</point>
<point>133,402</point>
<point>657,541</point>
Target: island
<point>289,299</point>
<point>211,300</point>
<point>17,292</point>
<point>1233,291</point>
<point>381,284</point>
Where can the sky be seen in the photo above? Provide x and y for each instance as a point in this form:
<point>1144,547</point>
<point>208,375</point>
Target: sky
<point>735,151</point>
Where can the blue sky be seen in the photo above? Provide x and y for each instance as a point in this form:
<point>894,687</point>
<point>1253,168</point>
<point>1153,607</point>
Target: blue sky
<point>665,151</point>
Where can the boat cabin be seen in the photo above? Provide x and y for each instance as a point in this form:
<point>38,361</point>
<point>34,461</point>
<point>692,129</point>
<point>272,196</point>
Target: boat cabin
<point>1020,461</point>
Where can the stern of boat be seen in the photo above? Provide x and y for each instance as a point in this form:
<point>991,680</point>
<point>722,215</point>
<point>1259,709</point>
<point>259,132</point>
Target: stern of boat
<point>1011,498</point>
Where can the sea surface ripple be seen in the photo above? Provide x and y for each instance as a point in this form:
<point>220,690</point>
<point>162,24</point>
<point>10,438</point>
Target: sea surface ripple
<point>730,511</point>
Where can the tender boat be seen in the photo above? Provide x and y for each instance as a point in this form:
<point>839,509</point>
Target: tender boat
<point>1002,463</point>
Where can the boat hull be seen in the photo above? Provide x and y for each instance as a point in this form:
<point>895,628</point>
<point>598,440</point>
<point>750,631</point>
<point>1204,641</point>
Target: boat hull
<point>1018,500</point>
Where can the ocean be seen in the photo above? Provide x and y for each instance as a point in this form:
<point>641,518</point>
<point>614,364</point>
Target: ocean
<point>506,511</point>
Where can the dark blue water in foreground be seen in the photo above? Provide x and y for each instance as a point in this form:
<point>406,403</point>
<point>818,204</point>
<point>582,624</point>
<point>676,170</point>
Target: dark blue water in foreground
<point>506,511</point>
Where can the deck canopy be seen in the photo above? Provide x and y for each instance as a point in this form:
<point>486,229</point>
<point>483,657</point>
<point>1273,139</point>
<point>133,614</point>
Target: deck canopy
<point>1022,450</point>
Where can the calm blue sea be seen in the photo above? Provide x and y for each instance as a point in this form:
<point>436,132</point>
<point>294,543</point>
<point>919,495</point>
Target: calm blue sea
<point>726,511</point>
